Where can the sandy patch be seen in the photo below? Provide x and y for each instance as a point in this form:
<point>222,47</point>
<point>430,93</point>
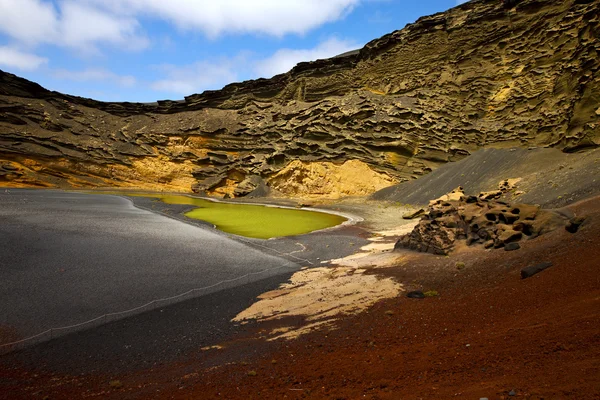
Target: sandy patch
<point>379,253</point>
<point>400,230</point>
<point>320,295</point>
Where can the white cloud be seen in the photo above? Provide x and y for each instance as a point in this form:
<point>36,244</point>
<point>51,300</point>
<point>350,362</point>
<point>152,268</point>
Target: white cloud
<point>73,25</point>
<point>272,17</point>
<point>197,77</point>
<point>14,58</point>
<point>214,74</point>
<point>85,25</point>
<point>29,21</point>
<point>285,59</point>
<point>95,74</point>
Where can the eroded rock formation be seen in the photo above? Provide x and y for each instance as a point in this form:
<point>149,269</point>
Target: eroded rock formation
<point>481,220</point>
<point>484,74</point>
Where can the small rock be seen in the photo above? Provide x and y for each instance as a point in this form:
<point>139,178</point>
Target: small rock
<point>252,373</point>
<point>115,384</point>
<point>574,224</point>
<point>417,294</point>
<point>460,265</point>
<point>509,235</point>
<point>534,269</point>
<point>414,214</point>
<point>512,246</point>
<point>512,393</point>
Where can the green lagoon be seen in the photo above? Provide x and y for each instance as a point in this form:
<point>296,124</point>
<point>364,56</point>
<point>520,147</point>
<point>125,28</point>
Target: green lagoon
<point>255,221</point>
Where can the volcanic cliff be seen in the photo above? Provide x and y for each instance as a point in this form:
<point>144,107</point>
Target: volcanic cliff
<point>487,73</point>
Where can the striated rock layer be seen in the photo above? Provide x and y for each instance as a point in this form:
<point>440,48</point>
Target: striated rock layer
<point>484,74</point>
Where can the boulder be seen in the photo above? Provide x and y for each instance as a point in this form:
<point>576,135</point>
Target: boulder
<point>478,220</point>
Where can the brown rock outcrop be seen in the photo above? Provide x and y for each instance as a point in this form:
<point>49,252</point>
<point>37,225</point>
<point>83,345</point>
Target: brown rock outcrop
<point>477,220</point>
<point>484,74</point>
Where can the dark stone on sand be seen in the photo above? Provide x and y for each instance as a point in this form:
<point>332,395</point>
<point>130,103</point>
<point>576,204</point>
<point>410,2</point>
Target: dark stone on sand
<point>574,224</point>
<point>534,269</point>
<point>417,294</point>
<point>512,246</point>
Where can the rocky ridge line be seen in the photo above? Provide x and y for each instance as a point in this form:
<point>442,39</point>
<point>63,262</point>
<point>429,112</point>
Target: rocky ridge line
<point>484,74</point>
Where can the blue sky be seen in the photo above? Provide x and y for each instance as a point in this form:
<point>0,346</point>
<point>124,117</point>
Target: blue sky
<point>147,50</point>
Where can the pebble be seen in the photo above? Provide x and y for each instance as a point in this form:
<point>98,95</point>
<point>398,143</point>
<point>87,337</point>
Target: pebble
<point>417,294</point>
<point>512,246</point>
<point>512,393</point>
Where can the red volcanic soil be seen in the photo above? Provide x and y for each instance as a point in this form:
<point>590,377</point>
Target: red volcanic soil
<point>488,334</point>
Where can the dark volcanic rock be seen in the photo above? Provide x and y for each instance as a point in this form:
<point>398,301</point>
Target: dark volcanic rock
<point>512,246</point>
<point>574,224</point>
<point>534,269</point>
<point>417,294</point>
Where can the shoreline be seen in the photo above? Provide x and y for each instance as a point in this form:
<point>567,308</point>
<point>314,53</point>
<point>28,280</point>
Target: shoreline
<point>408,344</point>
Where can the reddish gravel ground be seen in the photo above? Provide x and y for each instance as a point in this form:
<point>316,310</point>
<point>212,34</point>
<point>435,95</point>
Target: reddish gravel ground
<point>488,334</point>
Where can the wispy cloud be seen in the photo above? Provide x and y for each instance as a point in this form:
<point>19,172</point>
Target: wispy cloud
<point>95,75</point>
<point>285,59</point>
<point>14,58</point>
<point>203,75</point>
<point>214,74</point>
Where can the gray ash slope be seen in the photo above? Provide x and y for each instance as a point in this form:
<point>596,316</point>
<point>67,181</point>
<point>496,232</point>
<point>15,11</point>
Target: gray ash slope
<point>549,177</point>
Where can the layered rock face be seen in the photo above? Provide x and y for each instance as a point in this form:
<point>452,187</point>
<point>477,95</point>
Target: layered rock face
<point>484,74</point>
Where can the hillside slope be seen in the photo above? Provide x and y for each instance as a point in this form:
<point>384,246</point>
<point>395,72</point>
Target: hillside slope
<point>484,74</point>
<point>547,177</point>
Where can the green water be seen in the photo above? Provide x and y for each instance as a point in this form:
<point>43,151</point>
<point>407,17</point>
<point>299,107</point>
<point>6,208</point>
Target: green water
<point>254,221</point>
